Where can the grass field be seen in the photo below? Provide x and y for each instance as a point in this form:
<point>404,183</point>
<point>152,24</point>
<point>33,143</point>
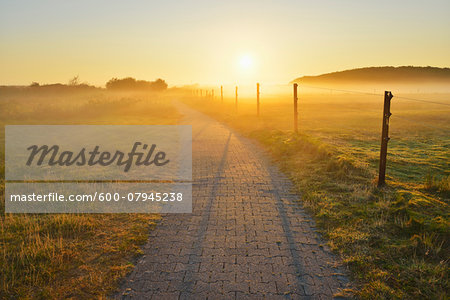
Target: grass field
<point>395,240</point>
<point>67,255</point>
<point>351,125</point>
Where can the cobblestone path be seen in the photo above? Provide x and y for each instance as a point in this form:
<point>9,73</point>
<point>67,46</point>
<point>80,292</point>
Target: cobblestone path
<point>246,237</point>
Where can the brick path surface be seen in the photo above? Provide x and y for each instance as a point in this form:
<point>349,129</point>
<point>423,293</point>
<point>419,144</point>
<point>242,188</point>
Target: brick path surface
<point>246,238</point>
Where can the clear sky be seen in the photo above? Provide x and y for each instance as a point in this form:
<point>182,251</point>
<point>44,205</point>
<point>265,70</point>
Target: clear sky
<point>214,42</point>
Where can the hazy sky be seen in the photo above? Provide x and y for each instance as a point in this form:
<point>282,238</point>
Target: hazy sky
<point>215,41</point>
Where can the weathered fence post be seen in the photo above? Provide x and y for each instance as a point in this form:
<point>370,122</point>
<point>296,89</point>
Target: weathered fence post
<point>295,109</point>
<point>221,93</point>
<point>257,99</point>
<point>384,137</point>
<point>212,94</point>
<point>236,102</point>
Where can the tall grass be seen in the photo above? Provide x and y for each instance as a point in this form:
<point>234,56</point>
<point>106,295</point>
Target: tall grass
<point>395,240</point>
<point>72,255</point>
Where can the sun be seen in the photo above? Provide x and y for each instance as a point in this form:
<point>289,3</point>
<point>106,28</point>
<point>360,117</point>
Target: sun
<point>246,62</point>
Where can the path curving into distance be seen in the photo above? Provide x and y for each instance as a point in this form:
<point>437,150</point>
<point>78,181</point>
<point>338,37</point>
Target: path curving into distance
<point>246,237</point>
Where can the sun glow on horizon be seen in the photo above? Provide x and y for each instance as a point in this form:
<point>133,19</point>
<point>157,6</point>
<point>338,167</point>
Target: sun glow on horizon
<point>246,62</point>
<point>208,42</point>
<point>246,68</point>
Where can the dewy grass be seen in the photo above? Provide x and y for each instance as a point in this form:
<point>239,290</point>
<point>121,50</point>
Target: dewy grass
<point>442,186</point>
<point>80,256</point>
<point>395,240</point>
<point>63,256</point>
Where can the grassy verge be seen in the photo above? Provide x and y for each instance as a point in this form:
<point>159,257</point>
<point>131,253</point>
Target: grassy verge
<point>395,240</point>
<point>68,256</point>
<point>80,256</point>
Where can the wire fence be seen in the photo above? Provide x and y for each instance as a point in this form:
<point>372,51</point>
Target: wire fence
<point>354,127</point>
<point>395,97</point>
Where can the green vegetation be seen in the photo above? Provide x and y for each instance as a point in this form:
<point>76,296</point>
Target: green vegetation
<point>68,255</point>
<point>130,83</point>
<point>395,240</point>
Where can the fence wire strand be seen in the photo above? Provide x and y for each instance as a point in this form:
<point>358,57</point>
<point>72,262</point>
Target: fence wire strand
<point>418,123</point>
<point>340,90</point>
<point>348,108</point>
<point>421,100</point>
<point>375,94</point>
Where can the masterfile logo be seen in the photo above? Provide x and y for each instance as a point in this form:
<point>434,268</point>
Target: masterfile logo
<point>98,152</point>
<point>98,169</point>
<point>95,156</point>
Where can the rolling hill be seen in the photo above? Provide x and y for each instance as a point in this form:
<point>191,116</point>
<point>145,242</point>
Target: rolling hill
<point>404,75</point>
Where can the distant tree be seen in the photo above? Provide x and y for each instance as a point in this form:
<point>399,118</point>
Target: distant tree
<point>74,81</point>
<point>159,84</point>
<point>121,84</point>
<point>130,83</point>
<point>34,84</point>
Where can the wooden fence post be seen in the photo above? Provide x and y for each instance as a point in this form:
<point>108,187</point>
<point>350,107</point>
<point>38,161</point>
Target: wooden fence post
<point>257,99</point>
<point>221,93</point>
<point>212,94</point>
<point>295,109</point>
<point>236,102</point>
<point>384,138</point>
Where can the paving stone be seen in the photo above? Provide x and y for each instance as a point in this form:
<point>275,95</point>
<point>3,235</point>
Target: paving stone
<point>247,237</point>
